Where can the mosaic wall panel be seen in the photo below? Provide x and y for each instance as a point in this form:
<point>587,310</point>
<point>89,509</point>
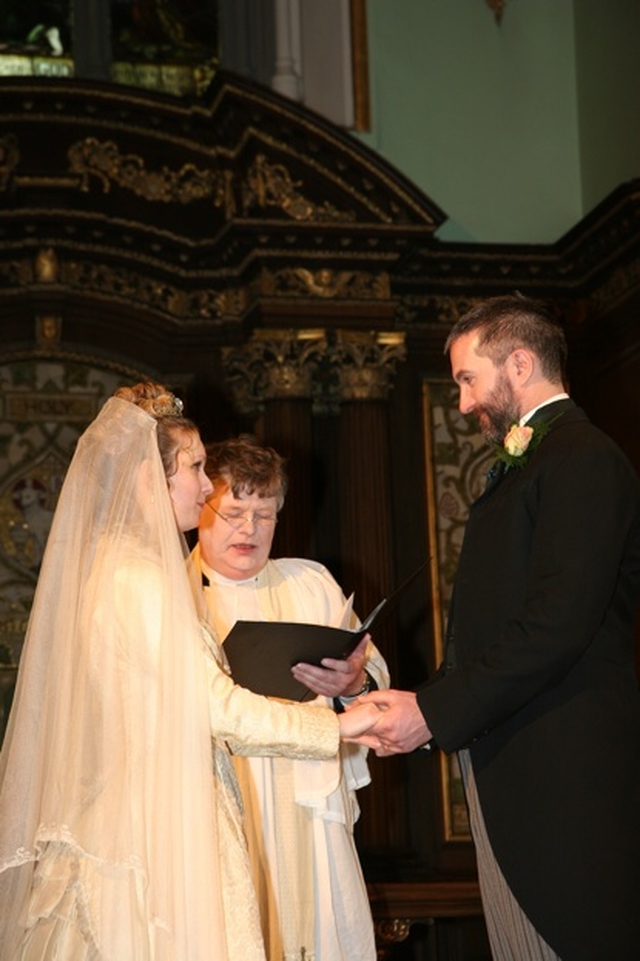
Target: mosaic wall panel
<point>44,407</point>
<point>457,461</point>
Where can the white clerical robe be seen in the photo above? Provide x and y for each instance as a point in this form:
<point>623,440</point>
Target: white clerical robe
<point>300,814</point>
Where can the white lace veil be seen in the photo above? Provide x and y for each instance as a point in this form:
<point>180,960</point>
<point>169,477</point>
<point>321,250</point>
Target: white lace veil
<point>107,821</point>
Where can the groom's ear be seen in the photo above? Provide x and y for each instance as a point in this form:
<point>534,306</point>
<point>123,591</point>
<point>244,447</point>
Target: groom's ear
<point>522,364</point>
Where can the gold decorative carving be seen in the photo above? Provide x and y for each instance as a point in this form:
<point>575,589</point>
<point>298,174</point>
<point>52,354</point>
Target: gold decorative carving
<point>9,159</point>
<point>199,304</point>
<point>45,181</point>
<point>271,185</point>
<point>48,332</point>
<point>266,185</point>
<point>445,310</point>
<point>126,284</point>
<point>365,363</point>
<point>186,185</point>
<point>47,266</point>
<point>392,930</point>
<point>206,304</point>
<point>328,368</point>
<point>273,364</point>
<point>17,273</point>
<point>326,283</point>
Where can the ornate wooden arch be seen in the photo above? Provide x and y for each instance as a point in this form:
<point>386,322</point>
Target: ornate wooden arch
<point>164,225</point>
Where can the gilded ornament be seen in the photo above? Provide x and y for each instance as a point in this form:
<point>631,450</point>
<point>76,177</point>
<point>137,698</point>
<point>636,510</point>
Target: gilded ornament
<point>365,361</point>
<point>326,283</point>
<point>273,364</point>
<point>91,157</point>
<point>48,332</point>
<point>271,185</point>
<point>393,930</point>
<point>47,266</point>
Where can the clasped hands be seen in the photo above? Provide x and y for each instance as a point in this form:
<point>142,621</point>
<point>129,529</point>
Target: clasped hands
<point>397,726</point>
<point>388,722</point>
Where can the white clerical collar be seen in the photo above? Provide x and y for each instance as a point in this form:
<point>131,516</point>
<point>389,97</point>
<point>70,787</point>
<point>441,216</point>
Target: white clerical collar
<point>217,578</point>
<point>550,400</point>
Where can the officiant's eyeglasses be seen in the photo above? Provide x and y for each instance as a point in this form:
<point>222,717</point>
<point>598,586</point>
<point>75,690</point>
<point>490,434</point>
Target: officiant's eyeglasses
<point>238,519</point>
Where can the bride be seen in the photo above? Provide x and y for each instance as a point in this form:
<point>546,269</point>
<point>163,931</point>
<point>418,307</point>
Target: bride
<point>120,817</point>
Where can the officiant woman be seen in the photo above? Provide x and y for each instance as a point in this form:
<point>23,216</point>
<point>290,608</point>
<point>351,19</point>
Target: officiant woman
<point>300,814</point>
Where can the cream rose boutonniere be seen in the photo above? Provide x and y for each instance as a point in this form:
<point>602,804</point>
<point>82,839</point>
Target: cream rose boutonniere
<point>517,440</point>
<point>519,443</point>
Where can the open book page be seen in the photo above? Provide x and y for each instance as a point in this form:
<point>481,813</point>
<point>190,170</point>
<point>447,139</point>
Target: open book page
<point>346,614</point>
<point>347,619</point>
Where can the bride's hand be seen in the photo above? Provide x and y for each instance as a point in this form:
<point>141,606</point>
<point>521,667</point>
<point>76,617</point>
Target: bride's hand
<point>357,720</point>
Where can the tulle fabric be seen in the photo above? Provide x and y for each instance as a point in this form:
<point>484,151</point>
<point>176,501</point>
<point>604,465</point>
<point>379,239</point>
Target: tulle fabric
<point>108,837</point>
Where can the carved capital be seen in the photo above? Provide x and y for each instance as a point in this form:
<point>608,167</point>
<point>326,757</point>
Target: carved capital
<point>326,368</point>
<point>365,362</point>
<point>273,364</point>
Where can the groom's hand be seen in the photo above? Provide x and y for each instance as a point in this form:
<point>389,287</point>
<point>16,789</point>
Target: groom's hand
<point>400,726</point>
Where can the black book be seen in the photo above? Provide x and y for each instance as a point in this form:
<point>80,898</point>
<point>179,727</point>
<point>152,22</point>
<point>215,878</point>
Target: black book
<point>262,653</point>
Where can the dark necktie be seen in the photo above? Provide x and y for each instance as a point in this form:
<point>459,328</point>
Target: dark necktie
<point>495,471</point>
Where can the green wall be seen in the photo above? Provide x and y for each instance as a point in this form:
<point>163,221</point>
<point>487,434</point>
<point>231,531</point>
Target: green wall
<point>484,117</point>
<point>608,72</point>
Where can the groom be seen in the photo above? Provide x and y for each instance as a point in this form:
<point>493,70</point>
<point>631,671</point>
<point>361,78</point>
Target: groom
<point>538,693</point>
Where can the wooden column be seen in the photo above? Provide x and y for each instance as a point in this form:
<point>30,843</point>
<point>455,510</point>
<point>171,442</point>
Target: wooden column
<point>272,380</point>
<point>365,499</point>
<point>365,363</point>
<point>286,426</point>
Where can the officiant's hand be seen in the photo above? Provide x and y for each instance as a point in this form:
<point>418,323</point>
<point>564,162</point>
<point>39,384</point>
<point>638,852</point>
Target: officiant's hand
<point>342,677</point>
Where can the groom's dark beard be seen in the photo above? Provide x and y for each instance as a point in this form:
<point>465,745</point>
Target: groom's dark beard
<point>499,412</point>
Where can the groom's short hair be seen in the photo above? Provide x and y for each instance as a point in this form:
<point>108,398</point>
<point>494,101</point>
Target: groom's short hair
<point>508,322</point>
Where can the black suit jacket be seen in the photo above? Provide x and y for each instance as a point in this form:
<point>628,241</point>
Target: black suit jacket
<point>540,684</point>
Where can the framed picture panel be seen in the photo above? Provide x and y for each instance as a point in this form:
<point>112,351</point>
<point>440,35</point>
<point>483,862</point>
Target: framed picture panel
<point>457,460</point>
<point>45,404</point>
